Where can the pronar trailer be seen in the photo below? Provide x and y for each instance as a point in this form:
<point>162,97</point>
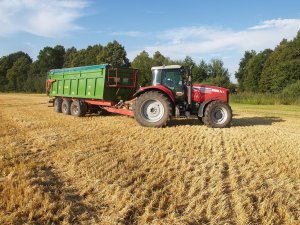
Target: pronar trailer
<point>99,88</point>
<point>93,85</point>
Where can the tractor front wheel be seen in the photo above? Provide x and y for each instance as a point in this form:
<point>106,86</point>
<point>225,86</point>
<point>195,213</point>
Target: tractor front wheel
<point>218,114</point>
<point>152,109</point>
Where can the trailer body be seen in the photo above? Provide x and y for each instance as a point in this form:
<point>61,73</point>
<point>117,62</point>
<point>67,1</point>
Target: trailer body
<point>99,82</point>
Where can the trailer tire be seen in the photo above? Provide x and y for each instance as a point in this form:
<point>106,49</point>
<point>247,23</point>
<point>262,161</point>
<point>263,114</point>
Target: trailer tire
<point>218,114</point>
<point>57,105</point>
<point>152,109</point>
<point>66,107</point>
<point>78,108</point>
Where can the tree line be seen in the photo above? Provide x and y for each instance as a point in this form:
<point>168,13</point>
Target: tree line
<point>268,71</point>
<point>19,73</point>
<point>272,71</point>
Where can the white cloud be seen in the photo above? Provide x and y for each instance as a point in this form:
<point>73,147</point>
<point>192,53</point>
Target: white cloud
<point>205,42</point>
<point>196,41</point>
<point>47,18</point>
<point>276,23</point>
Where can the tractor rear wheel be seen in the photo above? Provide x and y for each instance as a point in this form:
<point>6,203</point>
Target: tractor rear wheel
<point>200,120</point>
<point>66,107</point>
<point>218,114</point>
<point>57,105</point>
<point>78,108</point>
<point>152,109</point>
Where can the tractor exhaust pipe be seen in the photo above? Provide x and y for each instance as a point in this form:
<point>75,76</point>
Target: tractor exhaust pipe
<point>189,86</point>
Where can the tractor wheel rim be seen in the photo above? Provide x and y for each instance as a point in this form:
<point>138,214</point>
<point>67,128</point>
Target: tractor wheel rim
<point>219,115</point>
<point>152,110</point>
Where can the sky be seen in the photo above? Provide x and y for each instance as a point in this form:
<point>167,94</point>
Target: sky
<point>200,29</point>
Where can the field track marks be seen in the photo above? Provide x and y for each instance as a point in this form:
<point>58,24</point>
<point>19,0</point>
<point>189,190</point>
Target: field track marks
<point>42,178</point>
<point>238,160</point>
<point>226,177</point>
<point>123,173</point>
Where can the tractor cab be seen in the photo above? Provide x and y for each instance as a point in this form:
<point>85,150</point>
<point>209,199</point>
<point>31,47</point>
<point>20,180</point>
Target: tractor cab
<point>171,77</point>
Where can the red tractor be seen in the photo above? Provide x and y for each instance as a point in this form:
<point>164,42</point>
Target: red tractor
<point>172,94</point>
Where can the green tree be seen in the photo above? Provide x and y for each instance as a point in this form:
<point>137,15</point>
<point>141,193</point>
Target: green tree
<point>7,62</point>
<point>143,63</point>
<point>253,70</point>
<point>91,54</point>
<point>51,58</point>
<point>159,59</point>
<point>220,81</point>
<point>69,57</point>
<point>48,58</point>
<point>216,68</point>
<point>218,75</point>
<point>188,62</point>
<point>36,80</point>
<point>17,75</point>
<point>282,66</point>
<point>240,74</point>
<point>201,72</point>
<point>114,54</point>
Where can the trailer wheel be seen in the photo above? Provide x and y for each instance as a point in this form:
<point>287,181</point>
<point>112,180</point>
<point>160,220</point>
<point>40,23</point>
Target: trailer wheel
<point>152,109</point>
<point>78,108</point>
<point>218,114</point>
<point>66,107</point>
<point>57,105</point>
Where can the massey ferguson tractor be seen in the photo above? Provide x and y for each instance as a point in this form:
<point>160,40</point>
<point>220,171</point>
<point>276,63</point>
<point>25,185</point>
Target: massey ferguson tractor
<point>80,90</point>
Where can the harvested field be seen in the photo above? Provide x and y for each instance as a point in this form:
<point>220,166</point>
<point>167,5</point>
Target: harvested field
<point>57,169</point>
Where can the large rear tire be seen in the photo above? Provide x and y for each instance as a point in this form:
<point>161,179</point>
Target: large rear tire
<point>66,107</point>
<point>57,105</point>
<point>152,109</point>
<point>78,108</point>
<point>218,114</point>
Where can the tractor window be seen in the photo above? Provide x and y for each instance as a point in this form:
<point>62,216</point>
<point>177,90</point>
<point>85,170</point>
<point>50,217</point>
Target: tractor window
<point>172,79</point>
<point>156,76</point>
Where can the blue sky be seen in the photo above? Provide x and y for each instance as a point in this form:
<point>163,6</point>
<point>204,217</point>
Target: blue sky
<point>200,29</point>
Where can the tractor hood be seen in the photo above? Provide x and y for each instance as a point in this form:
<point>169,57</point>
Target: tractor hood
<point>201,93</point>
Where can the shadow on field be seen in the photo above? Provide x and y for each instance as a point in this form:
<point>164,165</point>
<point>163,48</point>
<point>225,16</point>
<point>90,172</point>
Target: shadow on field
<point>65,198</point>
<point>255,121</point>
<point>185,121</point>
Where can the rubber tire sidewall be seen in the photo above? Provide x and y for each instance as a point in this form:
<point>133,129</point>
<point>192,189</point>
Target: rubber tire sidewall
<point>57,105</point>
<point>82,108</point>
<point>207,119</point>
<point>152,95</point>
<point>67,103</point>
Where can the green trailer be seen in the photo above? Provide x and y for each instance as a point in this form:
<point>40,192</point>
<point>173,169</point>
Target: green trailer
<point>99,82</point>
<point>76,90</point>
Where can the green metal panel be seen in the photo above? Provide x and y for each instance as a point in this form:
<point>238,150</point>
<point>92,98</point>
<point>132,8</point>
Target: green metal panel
<point>67,87</point>
<point>81,87</point>
<point>74,87</point>
<point>92,82</point>
<point>60,87</point>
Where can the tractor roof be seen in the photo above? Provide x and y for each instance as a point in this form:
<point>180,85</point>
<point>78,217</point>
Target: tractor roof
<point>167,67</point>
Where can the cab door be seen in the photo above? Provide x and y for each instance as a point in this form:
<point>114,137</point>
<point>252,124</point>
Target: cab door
<point>173,79</point>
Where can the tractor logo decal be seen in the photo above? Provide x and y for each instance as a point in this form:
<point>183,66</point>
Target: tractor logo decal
<point>203,89</point>
<point>207,90</point>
